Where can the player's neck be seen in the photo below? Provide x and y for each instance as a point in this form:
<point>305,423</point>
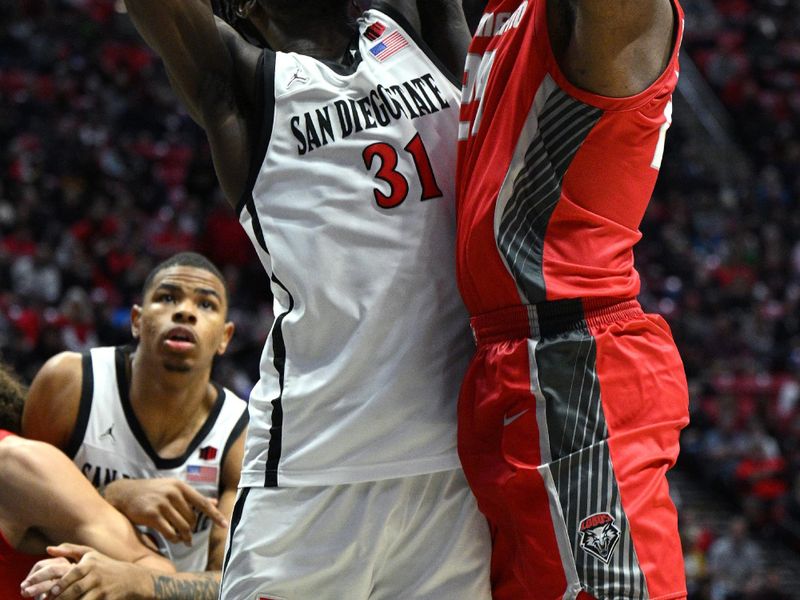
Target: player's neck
<point>162,390</point>
<point>332,49</point>
<point>170,418</point>
<point>187,391</point>
<point>324,42</point>
<point>170,406</point>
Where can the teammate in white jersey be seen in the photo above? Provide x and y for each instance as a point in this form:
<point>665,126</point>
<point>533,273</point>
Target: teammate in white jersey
<point>148,427</point>
<point>337,149</point>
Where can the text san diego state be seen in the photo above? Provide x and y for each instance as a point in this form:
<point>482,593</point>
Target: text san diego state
<point>412,99</point>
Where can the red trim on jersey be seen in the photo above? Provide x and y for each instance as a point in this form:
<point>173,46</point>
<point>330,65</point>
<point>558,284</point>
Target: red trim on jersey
<point>586,242</point>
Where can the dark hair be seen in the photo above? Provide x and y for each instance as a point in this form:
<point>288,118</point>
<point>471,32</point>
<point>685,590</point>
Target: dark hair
<point>185,259</point>
<point>12,399</point>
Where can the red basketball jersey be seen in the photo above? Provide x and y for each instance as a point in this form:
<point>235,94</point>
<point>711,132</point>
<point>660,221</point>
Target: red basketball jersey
<point>553,181</point>
<point>14,565</point>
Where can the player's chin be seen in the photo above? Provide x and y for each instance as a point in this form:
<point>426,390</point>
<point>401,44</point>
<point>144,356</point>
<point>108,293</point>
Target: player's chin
<point>177,365</point>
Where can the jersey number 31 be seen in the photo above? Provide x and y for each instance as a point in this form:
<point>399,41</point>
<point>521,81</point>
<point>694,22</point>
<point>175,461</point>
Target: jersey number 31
<point>398,184</point>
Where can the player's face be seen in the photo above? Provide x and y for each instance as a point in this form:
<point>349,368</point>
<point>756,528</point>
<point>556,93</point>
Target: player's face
<point>182,319</point>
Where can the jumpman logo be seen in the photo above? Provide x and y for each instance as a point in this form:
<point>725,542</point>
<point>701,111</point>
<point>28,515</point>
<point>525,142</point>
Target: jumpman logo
<point>109,433</point>
<point>297,77</point>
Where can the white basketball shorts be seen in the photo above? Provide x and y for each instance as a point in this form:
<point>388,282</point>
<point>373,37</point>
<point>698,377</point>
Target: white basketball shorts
<point>413,538</point>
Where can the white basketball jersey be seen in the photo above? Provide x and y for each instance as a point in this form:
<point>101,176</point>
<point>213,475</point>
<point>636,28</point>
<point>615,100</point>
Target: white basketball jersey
<point>351,209</point>
<point>108,443</point>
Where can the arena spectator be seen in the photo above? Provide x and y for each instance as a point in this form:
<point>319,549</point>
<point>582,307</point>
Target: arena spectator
<point>733,560</point>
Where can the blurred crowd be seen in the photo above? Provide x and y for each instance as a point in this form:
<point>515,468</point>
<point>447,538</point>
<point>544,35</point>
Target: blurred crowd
<point>721,260</point>
<point>102,176</point>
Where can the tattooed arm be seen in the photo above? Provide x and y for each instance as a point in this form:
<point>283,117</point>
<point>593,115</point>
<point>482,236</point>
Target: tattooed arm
<point>96,575</point>
<point>186,586</point>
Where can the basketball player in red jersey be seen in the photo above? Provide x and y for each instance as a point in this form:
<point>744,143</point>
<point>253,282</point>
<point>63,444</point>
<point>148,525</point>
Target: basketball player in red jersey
<point>570,414</point>
<point>44,499</point>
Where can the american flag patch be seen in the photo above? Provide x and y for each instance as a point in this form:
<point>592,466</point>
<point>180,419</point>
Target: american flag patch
<point>389,46</point>
<point>198,474</point>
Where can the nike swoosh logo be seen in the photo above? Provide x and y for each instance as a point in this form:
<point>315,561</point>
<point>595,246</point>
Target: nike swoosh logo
<point>509,420</point>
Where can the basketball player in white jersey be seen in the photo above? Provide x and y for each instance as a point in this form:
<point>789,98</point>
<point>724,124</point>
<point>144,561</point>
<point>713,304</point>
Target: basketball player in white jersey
<point>337,149</point>
<point>148,427</point>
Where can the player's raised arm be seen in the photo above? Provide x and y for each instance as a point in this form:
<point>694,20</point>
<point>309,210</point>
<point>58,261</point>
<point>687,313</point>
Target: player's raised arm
<point>184,34</point>
<point>213,72</point>
<point>442,25</point>
<point>612,47</point>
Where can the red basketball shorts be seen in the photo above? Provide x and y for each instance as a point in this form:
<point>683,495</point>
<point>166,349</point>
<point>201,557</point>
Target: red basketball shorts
<point>569,419</point>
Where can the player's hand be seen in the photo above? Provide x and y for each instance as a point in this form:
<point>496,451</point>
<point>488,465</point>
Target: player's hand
<point>43,575</point>
<point>169,506</point>
<point>94,576</point>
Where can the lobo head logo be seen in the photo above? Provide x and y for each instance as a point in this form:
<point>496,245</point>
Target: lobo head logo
<point>599,536</point>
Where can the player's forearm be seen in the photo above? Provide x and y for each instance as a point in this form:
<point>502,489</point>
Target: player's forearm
<point>158,21</point>
<point>184,34</point>
<point>186,586</point>
<point>155,562</point>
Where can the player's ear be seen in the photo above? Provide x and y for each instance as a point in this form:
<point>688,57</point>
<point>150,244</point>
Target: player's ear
<point>243,8</point>
<point>136,319</point>
<point>227,334</point>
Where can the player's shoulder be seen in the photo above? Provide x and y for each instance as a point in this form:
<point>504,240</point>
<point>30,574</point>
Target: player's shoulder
<point>51,406</point>
<point>60,376</point>
<point>61,365</point>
